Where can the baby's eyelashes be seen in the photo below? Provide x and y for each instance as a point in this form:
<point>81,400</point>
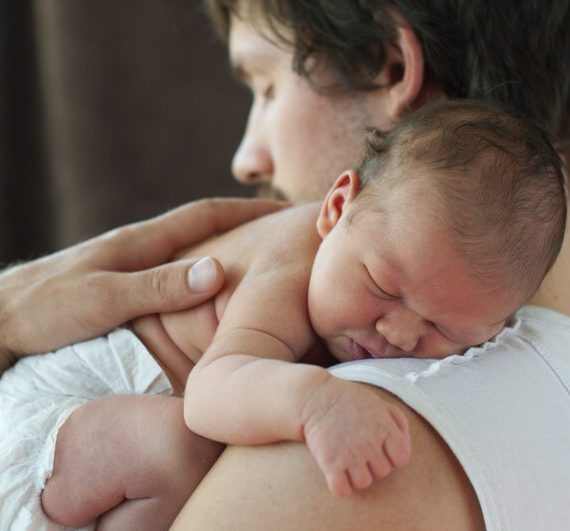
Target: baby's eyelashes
<point>377,288</point>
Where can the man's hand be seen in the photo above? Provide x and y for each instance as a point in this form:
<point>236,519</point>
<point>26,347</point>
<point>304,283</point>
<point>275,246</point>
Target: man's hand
<point>88,289</point>
<point>354,436</point>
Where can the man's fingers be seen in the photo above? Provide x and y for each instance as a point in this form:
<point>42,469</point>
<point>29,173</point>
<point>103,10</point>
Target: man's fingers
<point>197,221</point>
<point>54,313</point>
<point>172,287</point>
<point>89,288</point>
<point>155,241</point>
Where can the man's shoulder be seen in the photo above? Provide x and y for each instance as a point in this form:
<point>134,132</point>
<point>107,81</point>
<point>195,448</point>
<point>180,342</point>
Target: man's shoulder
<point>544,329</point>
<point>544,334</point>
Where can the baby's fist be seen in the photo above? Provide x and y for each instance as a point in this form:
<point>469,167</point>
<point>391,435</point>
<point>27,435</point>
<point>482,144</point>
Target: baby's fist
<point>356,437</point>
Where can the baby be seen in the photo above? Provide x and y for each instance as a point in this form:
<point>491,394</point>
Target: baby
<point>447,227</point>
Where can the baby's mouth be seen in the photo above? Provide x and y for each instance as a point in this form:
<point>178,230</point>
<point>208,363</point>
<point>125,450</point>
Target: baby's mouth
<point>386,350</point>
<point>359,352</point>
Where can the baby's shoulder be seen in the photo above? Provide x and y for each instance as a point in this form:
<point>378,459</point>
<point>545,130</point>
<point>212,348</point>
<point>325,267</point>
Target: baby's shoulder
<point>274,245</point>
<point>290,238</point>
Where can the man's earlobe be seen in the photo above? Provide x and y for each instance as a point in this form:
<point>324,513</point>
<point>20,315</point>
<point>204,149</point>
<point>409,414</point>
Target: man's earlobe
<point>338,199</point>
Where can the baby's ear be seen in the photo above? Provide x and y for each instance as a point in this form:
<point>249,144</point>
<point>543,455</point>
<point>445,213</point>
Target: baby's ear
<point>338,199</point>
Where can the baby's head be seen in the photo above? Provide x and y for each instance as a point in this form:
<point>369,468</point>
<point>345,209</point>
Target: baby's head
<point>493,179</point>
<point>450,223</point>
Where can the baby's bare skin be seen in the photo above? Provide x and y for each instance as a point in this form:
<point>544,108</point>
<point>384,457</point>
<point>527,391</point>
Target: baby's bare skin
<point>276,265</point>
<point>177,340</point>
<point>350,458</point>
<point>128,461</point>
<point>370,283</point>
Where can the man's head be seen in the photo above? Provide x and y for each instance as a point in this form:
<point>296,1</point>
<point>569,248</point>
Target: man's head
<point>450,224</point>
<point>370,62</point>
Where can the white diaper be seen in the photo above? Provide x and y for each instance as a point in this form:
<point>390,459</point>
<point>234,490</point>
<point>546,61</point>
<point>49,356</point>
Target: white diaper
<point>39,393</point>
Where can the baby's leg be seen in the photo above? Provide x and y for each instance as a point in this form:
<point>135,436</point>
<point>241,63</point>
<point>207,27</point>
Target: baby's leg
<point>129,460</point>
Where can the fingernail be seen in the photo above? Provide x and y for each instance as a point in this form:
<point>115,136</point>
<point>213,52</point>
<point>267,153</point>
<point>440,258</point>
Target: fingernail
<point>202,275</point>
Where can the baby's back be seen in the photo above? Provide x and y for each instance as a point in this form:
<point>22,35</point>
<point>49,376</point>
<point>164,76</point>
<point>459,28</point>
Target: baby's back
<point>178,340</point>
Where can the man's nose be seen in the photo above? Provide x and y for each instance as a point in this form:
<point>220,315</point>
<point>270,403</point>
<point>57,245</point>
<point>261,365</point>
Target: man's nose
<point>252,162</point>
<point>402,328</point>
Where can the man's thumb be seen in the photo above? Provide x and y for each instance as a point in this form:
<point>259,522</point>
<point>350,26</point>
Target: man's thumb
<point>178,285</point>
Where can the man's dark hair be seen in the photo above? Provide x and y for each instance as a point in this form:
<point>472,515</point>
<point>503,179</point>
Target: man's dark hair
<point>513,52</point>
<point>491,177</point>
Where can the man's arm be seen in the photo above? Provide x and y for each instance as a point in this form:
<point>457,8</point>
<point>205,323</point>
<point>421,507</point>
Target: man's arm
<point>279,487</point>
<point>88,289</point>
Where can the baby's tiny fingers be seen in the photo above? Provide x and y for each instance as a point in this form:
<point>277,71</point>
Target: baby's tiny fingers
<point>398,448</point>
<point>339,483</point>
<point>380,466</point>
<point>399,418</point>
<point>360,476</point>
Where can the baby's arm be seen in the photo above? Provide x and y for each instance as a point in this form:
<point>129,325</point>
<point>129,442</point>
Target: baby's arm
<point>247,388</point>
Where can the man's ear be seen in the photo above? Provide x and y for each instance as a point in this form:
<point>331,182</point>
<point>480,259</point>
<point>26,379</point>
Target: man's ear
<point>338,199</point>
<point>403,76</point>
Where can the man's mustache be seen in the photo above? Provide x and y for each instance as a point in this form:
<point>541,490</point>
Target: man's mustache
<point>268,191</point>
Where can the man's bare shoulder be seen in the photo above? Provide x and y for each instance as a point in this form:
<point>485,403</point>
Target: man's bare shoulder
<point>285,491</point>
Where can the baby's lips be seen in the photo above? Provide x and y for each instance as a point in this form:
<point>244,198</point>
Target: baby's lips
<point>358,352</point>
<point>384,350</point>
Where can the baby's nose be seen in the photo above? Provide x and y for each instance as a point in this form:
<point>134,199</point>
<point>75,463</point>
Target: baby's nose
<point>403,340</point>
<point>402,332</point>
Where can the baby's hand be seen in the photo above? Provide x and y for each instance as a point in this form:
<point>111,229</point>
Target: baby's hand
<point>354,435</point>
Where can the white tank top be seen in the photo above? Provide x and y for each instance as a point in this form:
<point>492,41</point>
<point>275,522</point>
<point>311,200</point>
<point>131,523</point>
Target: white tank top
<point>504,410</point>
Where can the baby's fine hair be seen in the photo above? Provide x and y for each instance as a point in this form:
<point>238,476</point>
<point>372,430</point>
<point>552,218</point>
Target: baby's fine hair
<point>496,179</point>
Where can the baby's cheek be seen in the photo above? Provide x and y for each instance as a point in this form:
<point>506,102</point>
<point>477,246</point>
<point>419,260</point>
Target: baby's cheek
<point>319,306</point>
<point>436,346</point>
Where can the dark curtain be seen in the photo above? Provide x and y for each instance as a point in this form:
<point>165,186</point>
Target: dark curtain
<point>111,111</point>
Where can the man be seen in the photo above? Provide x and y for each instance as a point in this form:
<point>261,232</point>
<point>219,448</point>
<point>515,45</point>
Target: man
<point>291,121</point>
<point>297,139</point>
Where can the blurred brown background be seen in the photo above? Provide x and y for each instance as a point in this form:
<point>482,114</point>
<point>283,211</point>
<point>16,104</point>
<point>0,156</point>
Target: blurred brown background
<point>110,111</point>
